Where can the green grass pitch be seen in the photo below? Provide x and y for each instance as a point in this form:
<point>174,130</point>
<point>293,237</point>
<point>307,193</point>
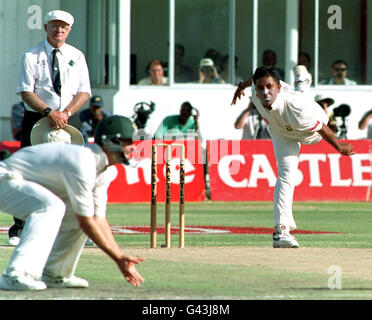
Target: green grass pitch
<point>229,266</point>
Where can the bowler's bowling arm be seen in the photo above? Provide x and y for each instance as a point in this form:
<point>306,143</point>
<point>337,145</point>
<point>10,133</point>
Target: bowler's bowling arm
<point>328,135</point>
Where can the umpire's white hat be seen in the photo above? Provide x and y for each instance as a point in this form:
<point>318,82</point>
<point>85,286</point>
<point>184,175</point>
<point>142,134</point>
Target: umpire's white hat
<point>42,133</point>
<point>59,15</point>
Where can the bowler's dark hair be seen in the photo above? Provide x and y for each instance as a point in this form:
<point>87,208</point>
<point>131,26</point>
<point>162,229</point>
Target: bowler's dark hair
<point>262,72</point>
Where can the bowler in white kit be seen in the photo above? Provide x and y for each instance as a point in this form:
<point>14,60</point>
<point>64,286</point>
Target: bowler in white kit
<point>62,188</point>
<point>294,118</point>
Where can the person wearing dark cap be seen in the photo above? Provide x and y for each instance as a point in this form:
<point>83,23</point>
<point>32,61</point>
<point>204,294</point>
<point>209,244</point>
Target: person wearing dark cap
<point>4,154</point>
<point>90,117</point>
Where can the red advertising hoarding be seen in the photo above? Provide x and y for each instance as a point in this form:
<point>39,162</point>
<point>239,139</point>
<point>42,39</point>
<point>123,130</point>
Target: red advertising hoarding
<point>246,171</point>
<point>11,146</point>
<point>243,170</point>
<point>133,183</point>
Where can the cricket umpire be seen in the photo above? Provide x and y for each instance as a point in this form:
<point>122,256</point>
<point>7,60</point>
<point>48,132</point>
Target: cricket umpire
<point>53,82</point>
<point>62,188</point>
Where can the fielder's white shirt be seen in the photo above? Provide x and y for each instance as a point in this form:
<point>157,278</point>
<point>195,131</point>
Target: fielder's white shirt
<point>35,74</point>
<point>294,115</point>
<point>74,173</point>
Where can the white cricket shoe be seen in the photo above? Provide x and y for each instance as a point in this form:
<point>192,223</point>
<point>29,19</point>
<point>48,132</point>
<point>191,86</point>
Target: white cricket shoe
<point>13,241</point>
<point>283,239</point>
<point>61,282</point>
<point>20,282</point>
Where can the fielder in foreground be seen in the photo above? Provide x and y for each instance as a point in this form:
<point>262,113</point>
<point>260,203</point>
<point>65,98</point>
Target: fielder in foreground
<point>294,118</point>
<point>62,188</point>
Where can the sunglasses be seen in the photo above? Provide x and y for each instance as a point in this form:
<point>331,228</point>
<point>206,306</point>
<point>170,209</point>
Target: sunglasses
<point>340,69</point>
<point>56,27</point>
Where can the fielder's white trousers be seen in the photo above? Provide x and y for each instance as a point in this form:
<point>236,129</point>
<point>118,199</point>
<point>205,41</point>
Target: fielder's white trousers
<point>51,240</point>
<point>287,158</point>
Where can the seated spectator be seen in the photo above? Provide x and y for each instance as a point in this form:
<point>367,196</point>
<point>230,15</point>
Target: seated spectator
<point>208,72</point>
<point>182,73</point>
<point>366,123</point>
<point>269,60</point>
<point>304,60</point>
<point>156,74</point>
<point>254,127</point>
<point>180,124</point>
<point>339,73</point>
<point>18,110</point>
<point>215,56</point>
<point>326,102</point>
<point>225,69</point>
<point>90,117</point>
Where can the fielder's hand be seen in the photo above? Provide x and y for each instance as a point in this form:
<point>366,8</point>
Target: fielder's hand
<point>129,271</point>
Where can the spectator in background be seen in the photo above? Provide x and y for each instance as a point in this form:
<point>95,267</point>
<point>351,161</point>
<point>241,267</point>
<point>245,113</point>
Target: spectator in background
<point>225,69</point>
<point>339,73</point>
<point>269,59</point>
<point>208,72</point>
<point>304,60</point>
<point>365,122</point>
<point>4,154</point>
<point>90,117</point>
<point>215,56</point>
<point>17,114</point>
<point>326,102</point>
<point>254,127</point>
<point>182,73</point>
<point>180,124</point>
<point>156,76</point>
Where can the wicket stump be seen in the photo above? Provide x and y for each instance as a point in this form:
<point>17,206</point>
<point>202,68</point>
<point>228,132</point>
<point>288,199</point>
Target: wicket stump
<point>154,177</point>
